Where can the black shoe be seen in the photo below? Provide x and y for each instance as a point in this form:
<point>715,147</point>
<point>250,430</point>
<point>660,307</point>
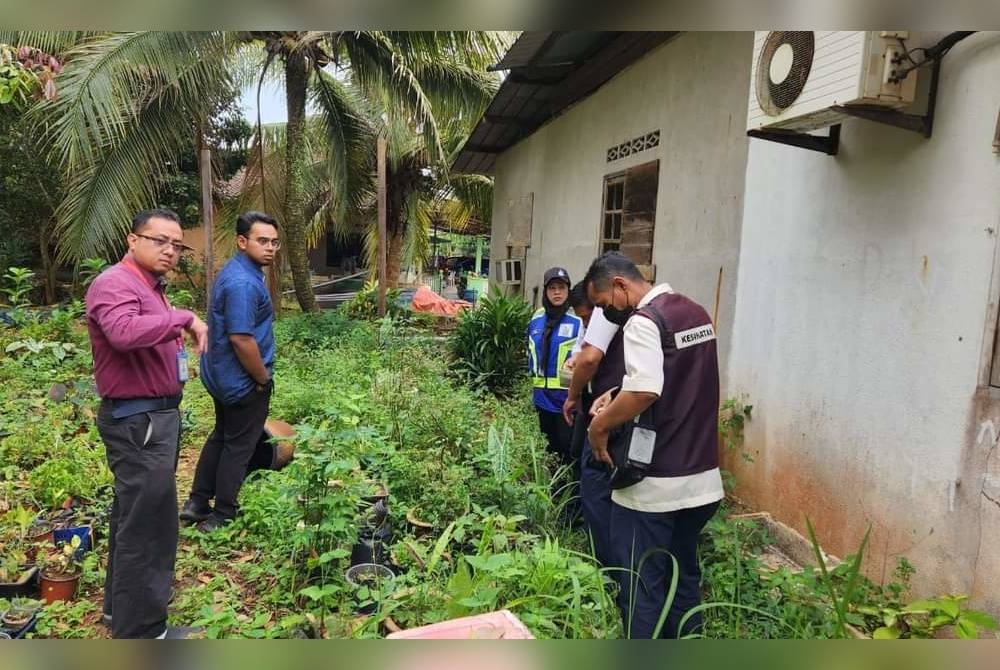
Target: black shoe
<point>213,523</point>
<point>192,512</point>
<point>183,632</point>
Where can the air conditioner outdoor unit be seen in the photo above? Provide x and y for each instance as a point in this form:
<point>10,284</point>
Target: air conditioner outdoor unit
<point>510,271</point>
<point>799,78</point>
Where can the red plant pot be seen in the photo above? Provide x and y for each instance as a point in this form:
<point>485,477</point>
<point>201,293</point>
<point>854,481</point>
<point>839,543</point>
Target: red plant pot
<point>58,586</point>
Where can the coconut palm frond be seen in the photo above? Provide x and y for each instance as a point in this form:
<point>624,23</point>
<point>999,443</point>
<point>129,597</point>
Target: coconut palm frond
<point>470,197</point>
<point>417,244</point>
<point>349,137</point>
<point>113,78</point>
<point>54,42</point>
<point>383,77</point>
<point>102,196</point>
<point>119,121</point>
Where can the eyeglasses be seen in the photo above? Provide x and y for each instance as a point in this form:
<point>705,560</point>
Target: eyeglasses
<point>274,242</point>
<point>160,242</point>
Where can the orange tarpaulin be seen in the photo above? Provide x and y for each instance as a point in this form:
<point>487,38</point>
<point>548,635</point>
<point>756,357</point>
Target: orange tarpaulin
<point>428,302</point>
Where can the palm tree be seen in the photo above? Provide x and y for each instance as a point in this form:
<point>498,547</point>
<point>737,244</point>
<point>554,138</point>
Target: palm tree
<point>128,101</point>
<point>421,192</point>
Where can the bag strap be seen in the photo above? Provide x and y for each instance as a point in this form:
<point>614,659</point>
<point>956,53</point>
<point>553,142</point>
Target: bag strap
<point>649,416</point>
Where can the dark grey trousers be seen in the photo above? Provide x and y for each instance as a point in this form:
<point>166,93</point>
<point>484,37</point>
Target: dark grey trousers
<point>142,453</point>
<point>222,465</point>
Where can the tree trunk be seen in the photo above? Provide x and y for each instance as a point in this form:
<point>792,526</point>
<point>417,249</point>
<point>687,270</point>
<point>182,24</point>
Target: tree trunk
<point>394,259</point>
<point>296,82</point>
<point>48,267</point>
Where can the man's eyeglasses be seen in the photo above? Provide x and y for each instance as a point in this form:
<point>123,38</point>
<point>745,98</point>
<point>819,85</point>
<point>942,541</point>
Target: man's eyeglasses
<point>160,242</point>
<point>274,243</point>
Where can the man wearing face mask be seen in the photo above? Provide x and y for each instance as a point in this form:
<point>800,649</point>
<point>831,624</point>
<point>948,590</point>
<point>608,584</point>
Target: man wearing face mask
<point>552,332</point>
<point>671,392</point>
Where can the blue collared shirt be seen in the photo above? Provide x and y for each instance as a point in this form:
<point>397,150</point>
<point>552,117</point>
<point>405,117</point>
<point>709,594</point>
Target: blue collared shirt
<point>241,304</point>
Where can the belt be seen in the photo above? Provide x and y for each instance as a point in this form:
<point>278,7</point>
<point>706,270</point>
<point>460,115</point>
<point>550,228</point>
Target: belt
<point>127,407</point>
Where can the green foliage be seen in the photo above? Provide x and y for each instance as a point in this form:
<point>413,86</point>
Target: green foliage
<point>17,286</point>
<point>733,415</point>
<point>69,620</point>
<point>488,344</point>
<point>842,598</point>
<point>24,73</point>
<point>312,330</point>
<point>927,618</point>
<point>30,188</point>
<point>364,305</point>
<point>88,271</point>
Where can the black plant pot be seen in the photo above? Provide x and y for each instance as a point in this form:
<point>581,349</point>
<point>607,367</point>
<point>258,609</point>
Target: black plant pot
<point>26,584</point>
<point>373,575</point>
<point>372,545</point>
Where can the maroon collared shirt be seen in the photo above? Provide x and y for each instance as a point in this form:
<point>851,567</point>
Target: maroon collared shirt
<point>135,334</point>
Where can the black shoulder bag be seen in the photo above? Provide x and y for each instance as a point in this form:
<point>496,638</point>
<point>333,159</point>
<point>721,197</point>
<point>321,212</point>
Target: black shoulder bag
<point>629,471</point>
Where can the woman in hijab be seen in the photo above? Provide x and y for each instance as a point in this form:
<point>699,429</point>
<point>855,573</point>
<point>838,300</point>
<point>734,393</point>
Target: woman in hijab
<point>552,332</point>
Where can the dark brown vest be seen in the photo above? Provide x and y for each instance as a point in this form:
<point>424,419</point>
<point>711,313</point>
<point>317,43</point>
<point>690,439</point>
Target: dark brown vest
<point>686,414</point>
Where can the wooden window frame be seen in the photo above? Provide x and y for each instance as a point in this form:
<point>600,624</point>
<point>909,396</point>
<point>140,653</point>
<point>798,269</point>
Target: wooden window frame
<point>604,241</point>
<point>636,214</point>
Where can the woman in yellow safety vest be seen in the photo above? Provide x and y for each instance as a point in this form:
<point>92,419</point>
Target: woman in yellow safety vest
<point>552,332</point>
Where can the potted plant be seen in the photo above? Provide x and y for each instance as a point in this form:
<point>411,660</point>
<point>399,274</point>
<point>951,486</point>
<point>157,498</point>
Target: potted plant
<point>16,573</point>
<point>370,581</point>
<point>19,614</point>
<point>60,571</point>
<point>38,534</point>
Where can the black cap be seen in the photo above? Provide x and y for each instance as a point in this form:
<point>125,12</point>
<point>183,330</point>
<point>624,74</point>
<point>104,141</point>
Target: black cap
<point>556,273</point>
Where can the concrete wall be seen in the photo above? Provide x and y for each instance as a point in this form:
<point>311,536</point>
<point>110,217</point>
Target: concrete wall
<point>865,311</point>
<point>694,90</point>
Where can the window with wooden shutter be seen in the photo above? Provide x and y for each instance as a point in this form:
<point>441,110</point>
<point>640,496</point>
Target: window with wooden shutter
<point>629,212</point>
<point>614,206</point>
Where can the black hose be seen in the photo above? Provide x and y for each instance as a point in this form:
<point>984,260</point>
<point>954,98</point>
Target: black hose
<point>946,43</point>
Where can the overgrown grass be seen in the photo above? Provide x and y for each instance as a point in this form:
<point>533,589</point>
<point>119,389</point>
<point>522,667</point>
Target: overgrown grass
<point>376,403</point>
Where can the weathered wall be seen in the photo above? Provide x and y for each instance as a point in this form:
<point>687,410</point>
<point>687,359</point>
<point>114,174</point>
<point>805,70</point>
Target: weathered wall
<point>693,90</point>
<point>864,313</point>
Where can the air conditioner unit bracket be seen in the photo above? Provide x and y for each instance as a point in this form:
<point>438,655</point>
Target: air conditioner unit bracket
<point>918,123</point>
<point>827,144</point>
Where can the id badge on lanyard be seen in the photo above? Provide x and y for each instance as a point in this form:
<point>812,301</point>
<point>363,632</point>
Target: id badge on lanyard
<point>641,446</point>
<point>183,372</point>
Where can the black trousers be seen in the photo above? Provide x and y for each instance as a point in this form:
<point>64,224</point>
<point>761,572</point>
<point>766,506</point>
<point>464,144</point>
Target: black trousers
<point>142,453</point>
<point>643,590</point>
<point>558,434</point>
<point>222,465</point>
<point>595,503</point>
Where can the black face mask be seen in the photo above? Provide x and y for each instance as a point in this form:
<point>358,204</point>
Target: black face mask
<point>618,316</point>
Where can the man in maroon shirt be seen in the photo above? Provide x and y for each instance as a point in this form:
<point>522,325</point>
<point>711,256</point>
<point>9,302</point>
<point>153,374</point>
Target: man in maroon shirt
<point>140,365</point>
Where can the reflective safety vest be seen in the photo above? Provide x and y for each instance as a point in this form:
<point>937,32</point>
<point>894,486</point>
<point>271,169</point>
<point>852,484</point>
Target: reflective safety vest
<point>549,393</point>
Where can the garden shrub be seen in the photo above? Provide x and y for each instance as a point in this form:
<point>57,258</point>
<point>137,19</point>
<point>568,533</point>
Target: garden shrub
<point>489,343</point>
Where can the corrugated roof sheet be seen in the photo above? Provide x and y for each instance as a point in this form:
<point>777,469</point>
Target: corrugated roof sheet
<point>548,72</point>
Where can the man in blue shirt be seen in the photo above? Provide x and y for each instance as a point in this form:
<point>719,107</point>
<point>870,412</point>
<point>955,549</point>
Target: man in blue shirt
<point>236,371</point>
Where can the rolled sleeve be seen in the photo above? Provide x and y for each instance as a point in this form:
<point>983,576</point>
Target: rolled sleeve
<point>600,332</point>
<point>643,357</point>
<point>239,308</point>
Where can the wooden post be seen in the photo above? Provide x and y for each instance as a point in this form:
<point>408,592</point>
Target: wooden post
<point>208,217</point>
<point>382,233</point>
